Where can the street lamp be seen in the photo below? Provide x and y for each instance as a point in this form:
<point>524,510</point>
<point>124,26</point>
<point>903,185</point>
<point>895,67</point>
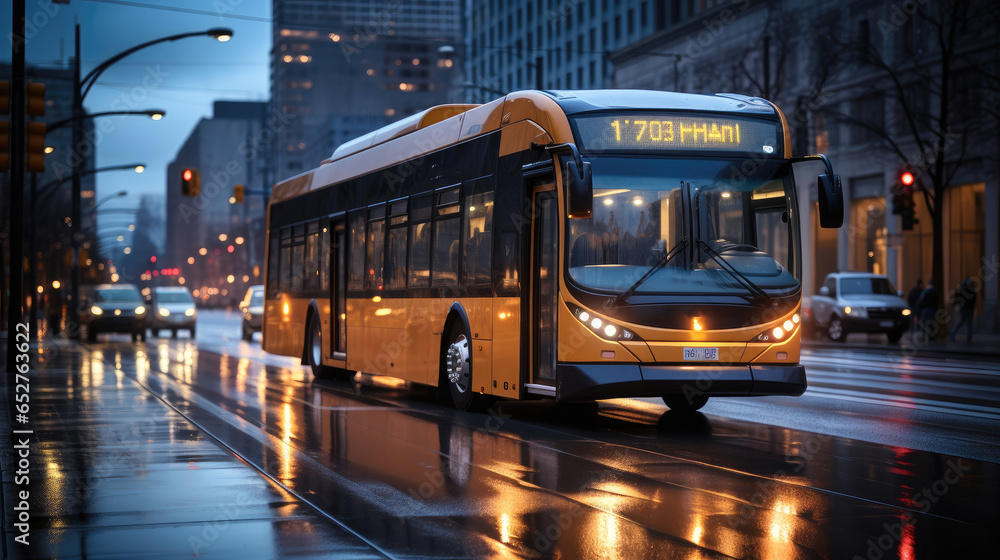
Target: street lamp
<point>81,87</point>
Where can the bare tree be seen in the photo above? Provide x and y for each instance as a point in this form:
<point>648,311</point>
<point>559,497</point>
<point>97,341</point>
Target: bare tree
<point>922,65</point>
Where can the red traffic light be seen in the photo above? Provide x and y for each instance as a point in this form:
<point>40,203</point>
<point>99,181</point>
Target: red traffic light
<point>187,174</point>
<point>906,178</point>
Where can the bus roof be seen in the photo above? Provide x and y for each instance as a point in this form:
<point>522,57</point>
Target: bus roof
<point>444,125</point>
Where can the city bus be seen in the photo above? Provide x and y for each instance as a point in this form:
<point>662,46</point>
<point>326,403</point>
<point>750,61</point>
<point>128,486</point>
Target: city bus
<point>575,245</point>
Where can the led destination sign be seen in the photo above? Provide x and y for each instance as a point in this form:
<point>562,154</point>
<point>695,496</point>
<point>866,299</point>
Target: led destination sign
<point>637,132</point>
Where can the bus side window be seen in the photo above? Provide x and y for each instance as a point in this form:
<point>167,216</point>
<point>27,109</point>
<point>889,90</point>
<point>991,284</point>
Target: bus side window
<point>478,240</point>
<point>324,248</point>
<point>285,260</point>
<point>395,266</point>
<point>311,264</point>
<point>447,229</point>
<point>272,265</point>
<point>298,268</point>
<point>356,257</point>
<point>375,249</point>
<point>420,241</point>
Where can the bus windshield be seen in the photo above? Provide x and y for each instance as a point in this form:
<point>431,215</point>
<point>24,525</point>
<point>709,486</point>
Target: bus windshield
<point>702,226</point>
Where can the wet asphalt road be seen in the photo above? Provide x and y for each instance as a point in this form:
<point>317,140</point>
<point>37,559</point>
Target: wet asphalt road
<point>883,458</point>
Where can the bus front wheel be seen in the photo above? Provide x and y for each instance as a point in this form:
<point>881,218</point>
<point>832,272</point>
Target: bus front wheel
<point>314,353</point>
<point>684,404</point>
<point>457,360</point>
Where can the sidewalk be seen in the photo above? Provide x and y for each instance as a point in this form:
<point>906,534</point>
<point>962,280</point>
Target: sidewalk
<point>983,347</point>
<point>113,472</point>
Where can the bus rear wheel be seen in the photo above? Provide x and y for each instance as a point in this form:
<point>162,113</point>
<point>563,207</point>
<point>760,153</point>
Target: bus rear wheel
<point>684,404</point>
<point>457,362</point>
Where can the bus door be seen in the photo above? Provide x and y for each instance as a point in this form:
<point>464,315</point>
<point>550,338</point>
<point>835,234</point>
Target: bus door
<point>338,289</point>
<point>544,284</point>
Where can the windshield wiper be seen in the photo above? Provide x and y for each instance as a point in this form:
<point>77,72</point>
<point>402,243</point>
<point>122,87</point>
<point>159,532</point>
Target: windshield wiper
<point>725,265</point>
<point>664,259</point>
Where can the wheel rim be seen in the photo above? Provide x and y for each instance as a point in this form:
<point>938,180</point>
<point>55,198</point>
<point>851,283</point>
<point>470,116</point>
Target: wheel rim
<point>836,329</point>
<point>317,344</point>
<point>457,364</point>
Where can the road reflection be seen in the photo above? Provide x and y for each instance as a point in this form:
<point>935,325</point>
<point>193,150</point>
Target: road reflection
<point>619,479</point>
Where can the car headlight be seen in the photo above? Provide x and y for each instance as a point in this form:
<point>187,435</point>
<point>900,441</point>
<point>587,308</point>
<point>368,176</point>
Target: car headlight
<point>164,312</point>
<point>856,312</point>
<point>96,310</point>
<point>189,312</point>
<point>140,310</point>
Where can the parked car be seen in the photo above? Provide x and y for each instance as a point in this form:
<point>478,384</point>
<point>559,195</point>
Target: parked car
<point>252,307</point>
<point>174,309</point>
<point>116,308</point>
<point>857,302</point>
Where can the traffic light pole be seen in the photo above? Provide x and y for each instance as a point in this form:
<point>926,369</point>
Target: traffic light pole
<point>15,303</point>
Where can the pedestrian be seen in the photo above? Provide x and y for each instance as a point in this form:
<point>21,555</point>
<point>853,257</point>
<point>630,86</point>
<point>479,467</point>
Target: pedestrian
<point>928,304</point>
<point>913,300</point>
<point>965,303</point>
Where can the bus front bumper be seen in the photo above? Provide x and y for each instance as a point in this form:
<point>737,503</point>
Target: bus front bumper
<point>608,381</point>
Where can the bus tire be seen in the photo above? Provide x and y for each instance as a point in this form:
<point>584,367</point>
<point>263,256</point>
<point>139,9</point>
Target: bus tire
<point>456,362</point>
<point>683,404</point>
<point>314,353</point>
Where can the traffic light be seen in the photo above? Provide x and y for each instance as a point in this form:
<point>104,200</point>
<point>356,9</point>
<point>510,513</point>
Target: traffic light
<point>4,126</point>
<point>238,194</point>
<point>34,106</point>
<point>36,146</point>
<point>190,182</point>
<point>902,201</point>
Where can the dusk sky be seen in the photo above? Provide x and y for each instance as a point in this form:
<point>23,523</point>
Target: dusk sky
<point>188,75</point>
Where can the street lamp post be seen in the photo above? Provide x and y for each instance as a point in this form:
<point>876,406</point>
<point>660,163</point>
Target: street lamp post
<point>80,90</point>
<point>32,239</point>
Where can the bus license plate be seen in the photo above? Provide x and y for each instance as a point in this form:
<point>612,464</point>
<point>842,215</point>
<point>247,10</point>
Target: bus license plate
<point>701,354</point>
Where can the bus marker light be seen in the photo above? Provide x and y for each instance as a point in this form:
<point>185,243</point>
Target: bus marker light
<point>697,325</point>
<point>781,355</point>
<point>382,312</point>
<point>607,354</point>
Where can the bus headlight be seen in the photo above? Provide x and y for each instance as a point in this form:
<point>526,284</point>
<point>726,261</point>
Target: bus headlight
<point>780,331</point>
<point>601,327</point>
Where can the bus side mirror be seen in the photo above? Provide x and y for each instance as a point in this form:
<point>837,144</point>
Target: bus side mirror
<point>831,201</point>
<point>579,188</point>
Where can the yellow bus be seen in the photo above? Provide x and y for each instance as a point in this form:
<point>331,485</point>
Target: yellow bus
<point>575,245</point>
